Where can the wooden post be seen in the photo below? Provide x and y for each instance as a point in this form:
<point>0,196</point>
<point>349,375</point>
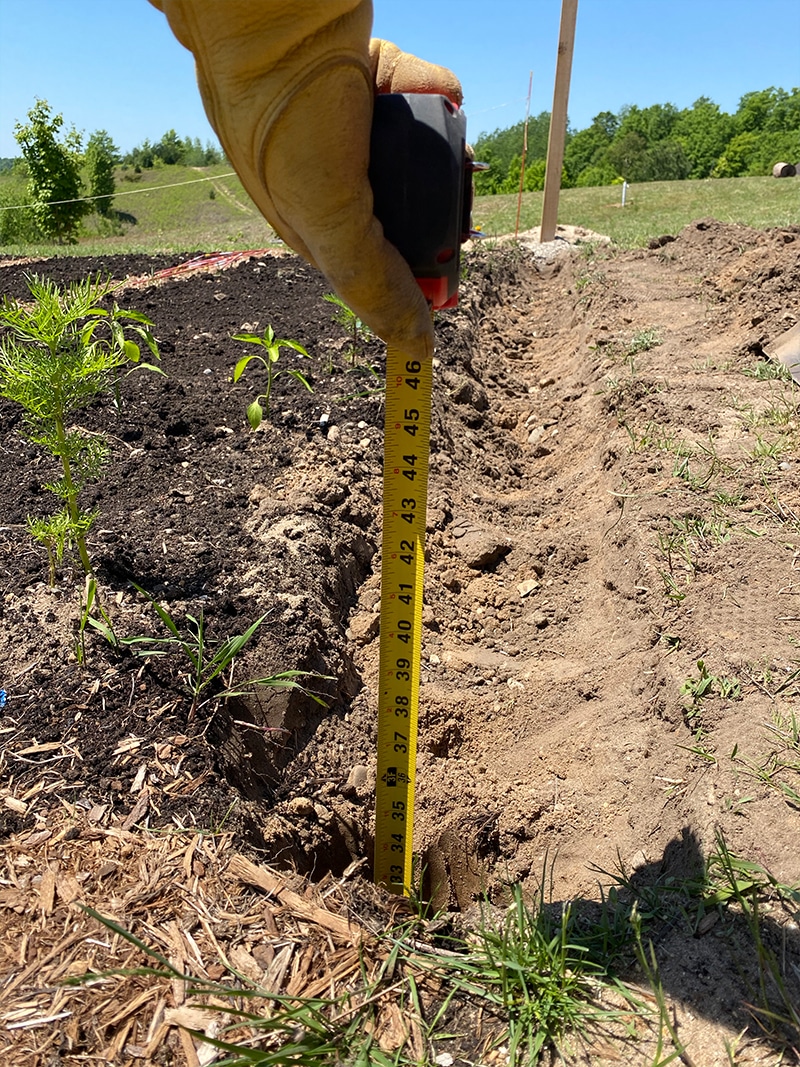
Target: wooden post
<point>558,120</point>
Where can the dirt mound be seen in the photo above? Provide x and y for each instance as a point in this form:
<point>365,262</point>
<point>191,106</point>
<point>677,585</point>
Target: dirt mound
<point>609,656</point>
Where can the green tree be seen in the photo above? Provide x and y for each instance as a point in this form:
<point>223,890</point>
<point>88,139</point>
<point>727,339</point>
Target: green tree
<point>502,147</point>
<point>102,156</point>
<point>654,123</point>
<point>703,131</point>
<point>488,182</point>
<point>54,173</point>
<point>170,149</point>
<point>754,153</point>
<point>664,161</point>
<point>597,174</point>
<point>588,148</point>
<point>628,155</point>
<point>769,111</point>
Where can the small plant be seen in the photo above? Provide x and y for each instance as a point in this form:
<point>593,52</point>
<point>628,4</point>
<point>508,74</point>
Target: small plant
<point>53,362</point>
<point>90,601</point>
<point>755,892</point>
<point>643,341</point>
<point>206,664</point>
<point>537,971</point>
<point>707,684</point>
<point>767,370</point>
<point>272,347</point>
<point>697,688</point>
<point>358,331</point>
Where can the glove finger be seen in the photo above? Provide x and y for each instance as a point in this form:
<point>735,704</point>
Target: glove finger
<point>394,71</point>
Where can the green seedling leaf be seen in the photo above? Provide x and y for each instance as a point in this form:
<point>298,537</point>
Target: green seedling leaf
<point>147,366</point>
<point>238,370</point>
<point>282,680</point>
<point>255,413</point>
<point>298,376</point>
<point>162,613</point>
<point>133,939</point>
<point>293,345</point>
<point>135,316</point>
<point>251,338</point>
<point>151,343</point>
<point>132,351</point>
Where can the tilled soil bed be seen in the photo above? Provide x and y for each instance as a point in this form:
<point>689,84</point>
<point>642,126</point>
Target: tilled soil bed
<point>614,500</point>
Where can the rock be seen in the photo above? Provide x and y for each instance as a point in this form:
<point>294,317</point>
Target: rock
<point>536,435</point>
<point>364,627</point>
<point>480,547</point>
<point>301,806</point>
<point>358,782</point>
<point>786,350</point>
<point>530,585</point>
<point>468,391</point>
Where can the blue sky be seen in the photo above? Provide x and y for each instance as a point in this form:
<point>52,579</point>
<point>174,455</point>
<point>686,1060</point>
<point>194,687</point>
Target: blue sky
<point>114,65</point>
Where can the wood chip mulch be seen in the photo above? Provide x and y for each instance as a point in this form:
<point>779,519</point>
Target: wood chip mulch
<point>209,911</point>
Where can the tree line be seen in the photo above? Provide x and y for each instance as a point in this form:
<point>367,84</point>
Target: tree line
<point>657,143</point>
<point>66,181</point>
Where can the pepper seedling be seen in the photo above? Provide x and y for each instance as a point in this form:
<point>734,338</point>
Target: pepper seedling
<point>272,347</point>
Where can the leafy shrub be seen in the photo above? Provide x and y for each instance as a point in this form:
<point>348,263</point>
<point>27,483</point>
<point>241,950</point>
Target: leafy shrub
<point>54,362</point>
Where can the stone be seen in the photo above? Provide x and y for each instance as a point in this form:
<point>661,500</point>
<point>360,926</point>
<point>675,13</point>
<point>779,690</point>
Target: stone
<point>530,585</point>
<point>364,627</point>
<point>480,546</point>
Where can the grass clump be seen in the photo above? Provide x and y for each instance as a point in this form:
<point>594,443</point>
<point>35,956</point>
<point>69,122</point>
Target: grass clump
<point>537,972</point>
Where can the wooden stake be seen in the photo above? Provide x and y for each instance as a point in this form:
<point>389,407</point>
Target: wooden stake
<point>524,153</point>
<point>558,120</point>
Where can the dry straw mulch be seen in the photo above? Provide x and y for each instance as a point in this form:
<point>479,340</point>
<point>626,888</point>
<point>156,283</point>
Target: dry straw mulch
<point>211,913</point>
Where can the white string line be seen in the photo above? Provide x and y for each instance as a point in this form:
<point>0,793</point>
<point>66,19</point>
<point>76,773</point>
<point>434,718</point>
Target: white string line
<point>497,107</point>
<point>125,192</point>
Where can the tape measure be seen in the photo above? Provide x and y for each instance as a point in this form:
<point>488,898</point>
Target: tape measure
<point>405,497</point>
<point>422,184</point>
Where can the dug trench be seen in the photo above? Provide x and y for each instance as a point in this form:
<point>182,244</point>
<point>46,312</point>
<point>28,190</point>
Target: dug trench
<point>598,522</point>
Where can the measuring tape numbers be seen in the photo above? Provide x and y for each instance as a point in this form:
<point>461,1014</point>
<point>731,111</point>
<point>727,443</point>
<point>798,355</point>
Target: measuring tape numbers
<point>421,177</point>
<point>405,498</point>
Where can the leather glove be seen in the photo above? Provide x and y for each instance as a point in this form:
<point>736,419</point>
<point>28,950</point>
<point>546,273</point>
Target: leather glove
<point>288,86</point>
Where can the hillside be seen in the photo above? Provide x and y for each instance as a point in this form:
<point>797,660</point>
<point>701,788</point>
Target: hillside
<point>189,209</point>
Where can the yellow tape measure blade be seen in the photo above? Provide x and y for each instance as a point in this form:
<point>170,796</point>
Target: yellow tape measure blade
<point>405,497</point>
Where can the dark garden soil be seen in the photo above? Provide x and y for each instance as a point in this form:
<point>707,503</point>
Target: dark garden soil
<point>614,496</point>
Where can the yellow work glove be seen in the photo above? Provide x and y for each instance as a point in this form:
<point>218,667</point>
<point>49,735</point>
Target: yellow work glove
<point>289,85</point>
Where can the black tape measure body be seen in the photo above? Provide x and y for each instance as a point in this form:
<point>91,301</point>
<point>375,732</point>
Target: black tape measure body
<point>422,186</point>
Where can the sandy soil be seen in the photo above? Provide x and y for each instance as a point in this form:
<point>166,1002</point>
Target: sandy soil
<point>614,497</point>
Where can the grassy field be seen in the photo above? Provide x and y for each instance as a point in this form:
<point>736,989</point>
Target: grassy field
<point>167,209</point>
<point>652,209</point>
<point>190,209</point>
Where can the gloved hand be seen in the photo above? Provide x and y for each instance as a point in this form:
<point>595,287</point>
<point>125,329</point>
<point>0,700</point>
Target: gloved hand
<point>288,85</point>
